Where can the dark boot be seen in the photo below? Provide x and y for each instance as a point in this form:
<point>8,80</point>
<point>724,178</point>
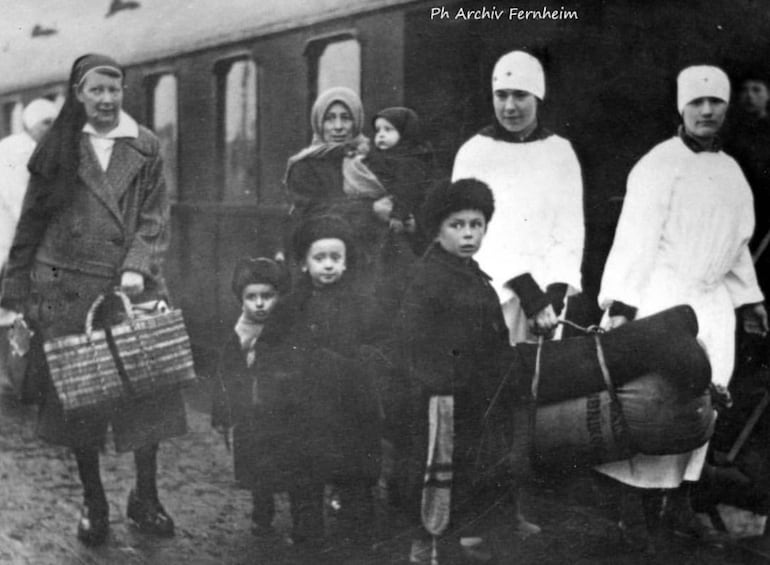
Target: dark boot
<point>144,509</point>
<point>262,512</point>
<point>680,518</point>
<point>653,501</point>
<point>523,527</point>
<point>612,498</point>
<point>94,522</point>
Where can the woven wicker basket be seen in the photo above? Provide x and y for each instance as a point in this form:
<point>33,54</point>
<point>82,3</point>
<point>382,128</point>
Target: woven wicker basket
<point>82,368</point>
<point>153,352</point>
<point>132,359</point>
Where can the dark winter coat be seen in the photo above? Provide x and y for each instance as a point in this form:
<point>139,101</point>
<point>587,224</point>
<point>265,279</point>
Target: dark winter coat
<point>451,326</point>
<point>453,342</point>
<point>60,262</point>
<point>316,359</point>
<point>235,403</point>
<point>315,186</point>
<point>406,172</point>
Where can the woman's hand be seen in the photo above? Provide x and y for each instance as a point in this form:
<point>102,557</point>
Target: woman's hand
<point>396,226</point>
<point>754,318</point>
<point>544,322</point>
<point>132,283</point>
<point>383,208</point>
<point>616,321</point>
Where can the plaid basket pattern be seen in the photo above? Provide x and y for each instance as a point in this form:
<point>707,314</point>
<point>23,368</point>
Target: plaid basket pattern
<point>83,371</point>
<point>154,352</point>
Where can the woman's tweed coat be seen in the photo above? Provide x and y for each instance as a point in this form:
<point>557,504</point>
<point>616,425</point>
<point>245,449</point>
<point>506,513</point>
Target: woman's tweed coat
<point>61,261</point>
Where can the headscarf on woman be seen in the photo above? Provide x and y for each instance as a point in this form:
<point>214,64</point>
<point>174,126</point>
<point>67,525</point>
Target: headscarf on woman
<point>57,157</point>
<point>358,180</point>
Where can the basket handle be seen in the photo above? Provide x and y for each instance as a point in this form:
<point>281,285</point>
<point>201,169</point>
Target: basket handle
<point>90,315</point>
<point>125,300</point>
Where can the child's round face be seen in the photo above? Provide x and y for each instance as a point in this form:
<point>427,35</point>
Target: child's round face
<point>461,233</point>
<point>258,301</point>
<point>385,135</point>
<point>325,261</point>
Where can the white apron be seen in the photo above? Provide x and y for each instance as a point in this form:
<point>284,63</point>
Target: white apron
<point>683,239</point>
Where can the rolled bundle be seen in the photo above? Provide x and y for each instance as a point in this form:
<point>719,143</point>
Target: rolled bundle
<point>664,343</point>
<point>650,417</point>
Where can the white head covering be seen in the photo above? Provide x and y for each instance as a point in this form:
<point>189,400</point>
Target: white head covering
<point>701,81</point>
<point>38,110</point>
<point>518,70</point>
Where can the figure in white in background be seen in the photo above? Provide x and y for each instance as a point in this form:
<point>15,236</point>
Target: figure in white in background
<point>15,151</point>
<point>683,238</point>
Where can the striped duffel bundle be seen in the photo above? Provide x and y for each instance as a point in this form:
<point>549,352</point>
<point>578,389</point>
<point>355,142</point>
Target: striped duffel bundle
<point>153,352</point>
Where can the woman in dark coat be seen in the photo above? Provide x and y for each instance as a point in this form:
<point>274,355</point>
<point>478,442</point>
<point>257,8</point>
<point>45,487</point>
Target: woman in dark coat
<point>96,216</point>
<point>330,177</point>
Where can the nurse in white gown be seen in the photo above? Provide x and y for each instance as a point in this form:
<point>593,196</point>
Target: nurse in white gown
<point>683,238</point>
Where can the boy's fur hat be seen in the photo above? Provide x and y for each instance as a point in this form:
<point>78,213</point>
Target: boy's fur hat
<point>322,227</point>
<point>260,270</point>
<point>447,197</point>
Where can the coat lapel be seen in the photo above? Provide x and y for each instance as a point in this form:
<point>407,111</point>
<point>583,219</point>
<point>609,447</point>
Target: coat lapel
<point>124,166</point>
<point>95,179</point>
<point>110,186</point>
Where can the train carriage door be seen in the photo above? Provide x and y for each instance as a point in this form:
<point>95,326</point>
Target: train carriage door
<point>12,118</point>
<point>334,60</point>
<point>237,100</point>
<point>164,119</point>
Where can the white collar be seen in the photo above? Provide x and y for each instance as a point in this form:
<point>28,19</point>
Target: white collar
<point>127,127</point>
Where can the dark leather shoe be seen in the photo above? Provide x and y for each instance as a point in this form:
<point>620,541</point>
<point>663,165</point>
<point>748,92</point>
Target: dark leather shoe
<point>149,516</point>
<point>94,524</point>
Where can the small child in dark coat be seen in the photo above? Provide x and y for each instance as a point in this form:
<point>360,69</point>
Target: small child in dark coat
<point>237,399</point>
<point>454,347</point>
<point>313,353</point>
<point>404,164</point>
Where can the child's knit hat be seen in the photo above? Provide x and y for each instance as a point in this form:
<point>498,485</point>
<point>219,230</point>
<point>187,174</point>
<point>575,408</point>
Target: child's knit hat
<point>447,197</point>
<point>260,270</point>
<point>405,120</point>
<point>325,226</point>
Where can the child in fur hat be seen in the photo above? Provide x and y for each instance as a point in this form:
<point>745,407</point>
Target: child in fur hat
<point>237,399</point>
<point>453,343</point>
<point>313,355</point>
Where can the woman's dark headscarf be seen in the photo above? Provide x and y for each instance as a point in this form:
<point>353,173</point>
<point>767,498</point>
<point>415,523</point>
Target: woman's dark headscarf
<point>57,157</point>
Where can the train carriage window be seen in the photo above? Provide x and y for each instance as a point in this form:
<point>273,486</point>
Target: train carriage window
<point>164,120</point>
<point>238,129</point>
<point>337,62</point>
<point>12,117</point>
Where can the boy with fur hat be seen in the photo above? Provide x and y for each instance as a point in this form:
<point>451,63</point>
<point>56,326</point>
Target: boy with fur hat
<point>453,340</point>
<point>311,355</point>
<point>237,398</point>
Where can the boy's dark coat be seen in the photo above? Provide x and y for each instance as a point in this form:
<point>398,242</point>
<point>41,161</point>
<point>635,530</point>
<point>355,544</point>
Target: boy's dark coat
<point>315,359</point>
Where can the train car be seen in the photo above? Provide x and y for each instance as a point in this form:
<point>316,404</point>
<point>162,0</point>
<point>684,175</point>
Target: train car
<point>228,88</point>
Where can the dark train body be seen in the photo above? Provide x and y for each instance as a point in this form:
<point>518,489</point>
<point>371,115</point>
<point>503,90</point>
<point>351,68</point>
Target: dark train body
<point>229,86</point>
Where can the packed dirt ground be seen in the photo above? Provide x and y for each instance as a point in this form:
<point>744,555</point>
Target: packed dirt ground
<point>40,499</point>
